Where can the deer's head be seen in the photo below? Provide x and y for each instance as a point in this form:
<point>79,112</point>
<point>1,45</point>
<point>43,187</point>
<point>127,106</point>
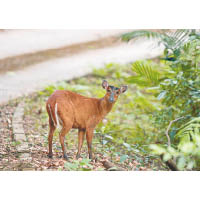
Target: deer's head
<point>113,92</point>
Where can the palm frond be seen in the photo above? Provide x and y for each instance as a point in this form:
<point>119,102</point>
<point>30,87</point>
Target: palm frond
<point>146,74</point>
<point>189,132</point>
<point>170,39</point>
<point>179,38</point>
<point>142,34</point>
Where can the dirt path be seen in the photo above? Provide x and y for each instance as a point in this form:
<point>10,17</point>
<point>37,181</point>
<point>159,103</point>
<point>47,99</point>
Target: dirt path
<point>19,62</point>
<point>15,84</point>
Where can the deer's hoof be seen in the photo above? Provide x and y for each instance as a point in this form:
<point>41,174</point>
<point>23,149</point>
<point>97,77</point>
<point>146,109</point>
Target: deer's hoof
<point>91,157</point>
<point>78,156</point>
<point>50,156</point>
<point>65,157</point>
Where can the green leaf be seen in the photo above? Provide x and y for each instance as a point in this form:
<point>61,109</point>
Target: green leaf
<point>109,137</point>
<point>104,141</point>
<point>190,164</point>
<point>86,169</point>
<point>127,145</point>
<point>181,163</point>
<point>157,149</point>
<point>71,166</point>
<point>123,158</point>
<point>172,40</point>
<point>141,34</point>
<point>161,95</point>
<point>147,73</point>
<point>167,157</point>
<point>187,147</point>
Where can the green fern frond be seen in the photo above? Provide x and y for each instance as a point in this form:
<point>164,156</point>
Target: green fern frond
<point>147,73</point>
<point>189,132</point>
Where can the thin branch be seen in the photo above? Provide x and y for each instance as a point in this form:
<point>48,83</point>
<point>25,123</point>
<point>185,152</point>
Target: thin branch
<point>170,163</point>
<point>167,131</point>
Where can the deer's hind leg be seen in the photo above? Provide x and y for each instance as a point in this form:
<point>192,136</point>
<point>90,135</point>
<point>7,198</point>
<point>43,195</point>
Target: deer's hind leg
<point>63,132</point>
<point>50,138</point>
<point>52,129</point>
<point>64,118</point>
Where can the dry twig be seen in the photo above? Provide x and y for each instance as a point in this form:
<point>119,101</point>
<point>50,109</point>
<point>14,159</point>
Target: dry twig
<point>167,131</point>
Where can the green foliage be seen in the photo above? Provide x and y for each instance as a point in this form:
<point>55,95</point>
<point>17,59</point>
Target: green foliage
<point>178,85</point>
<point>186,156</point>
<point>172,40</point>
<point>182,90</point>
<point>79,165</point>
<point>142,33</point>
<point>189,133</point>
<point>178,89</point>
<point>147,73</point>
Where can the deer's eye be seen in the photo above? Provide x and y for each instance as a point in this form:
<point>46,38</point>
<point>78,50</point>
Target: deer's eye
<point>109,91</point>
<point>117,92</point>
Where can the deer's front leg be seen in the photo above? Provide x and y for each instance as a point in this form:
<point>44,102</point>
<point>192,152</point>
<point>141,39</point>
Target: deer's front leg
<point>89,136</point>
<point>81,135</point>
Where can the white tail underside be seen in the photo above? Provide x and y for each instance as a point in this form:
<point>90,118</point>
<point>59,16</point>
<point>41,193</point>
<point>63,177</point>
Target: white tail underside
<point>57,117</point>
<point>58,120</point>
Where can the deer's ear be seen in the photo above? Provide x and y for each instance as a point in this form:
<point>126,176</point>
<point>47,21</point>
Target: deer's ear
<point>105,84</point>
<point>123,88</point>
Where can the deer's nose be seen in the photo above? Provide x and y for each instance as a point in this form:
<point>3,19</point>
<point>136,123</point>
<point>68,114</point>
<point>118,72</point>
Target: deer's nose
<point>111,99</point>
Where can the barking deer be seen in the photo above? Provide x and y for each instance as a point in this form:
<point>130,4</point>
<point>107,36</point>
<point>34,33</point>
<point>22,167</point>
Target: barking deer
<point>71,110</point>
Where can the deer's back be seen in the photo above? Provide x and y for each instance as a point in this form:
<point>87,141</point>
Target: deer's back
<point>81,110</point>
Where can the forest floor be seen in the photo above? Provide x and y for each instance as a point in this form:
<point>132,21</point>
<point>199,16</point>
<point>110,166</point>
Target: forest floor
<point>37,134</point>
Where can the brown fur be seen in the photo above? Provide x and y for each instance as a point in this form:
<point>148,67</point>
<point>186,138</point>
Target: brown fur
<point>76,111</point>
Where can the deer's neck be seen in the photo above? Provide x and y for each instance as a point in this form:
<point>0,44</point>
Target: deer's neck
<point>105,106</point>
